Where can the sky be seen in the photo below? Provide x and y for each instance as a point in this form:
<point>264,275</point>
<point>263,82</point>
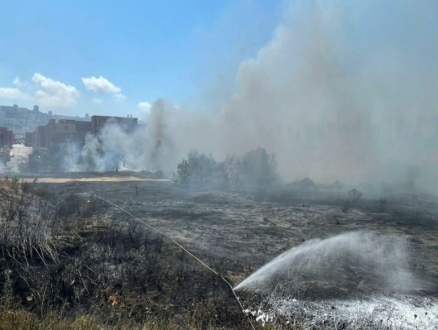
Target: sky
<point>77,57</point>
<point>340,89</point>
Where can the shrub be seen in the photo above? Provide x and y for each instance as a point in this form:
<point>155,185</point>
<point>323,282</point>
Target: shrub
<point>354,195</point>
<point>26,187</point>
<point>198,169</point>
<point>14,183</point>
<point>232,167</point>
<point>36,161</point>
<point>43,190</point>
<point>52,159</point>
<point>255,170</point>
<point>258,169</point>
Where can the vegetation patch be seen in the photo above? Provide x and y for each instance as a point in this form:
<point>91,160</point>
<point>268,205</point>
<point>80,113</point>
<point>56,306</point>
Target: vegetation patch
<point>62,259</point>
<point>255,171</point>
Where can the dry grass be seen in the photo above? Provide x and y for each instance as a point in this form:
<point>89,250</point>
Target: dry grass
<point>23,320</point>
<point>67,265</point>
<point>26,187</point>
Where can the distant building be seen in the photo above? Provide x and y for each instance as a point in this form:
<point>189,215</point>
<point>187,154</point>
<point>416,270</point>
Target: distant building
<point>23,120</point>
<point>69,130</point>
<point>98,122</point>
<point>64,131</point>
<point>29,139</point>
<point>6,138</point>
<point>82,129</point>
<point>40,137</point>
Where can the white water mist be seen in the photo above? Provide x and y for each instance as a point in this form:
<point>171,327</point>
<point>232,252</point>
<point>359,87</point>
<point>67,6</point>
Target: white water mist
<point>379,262</point>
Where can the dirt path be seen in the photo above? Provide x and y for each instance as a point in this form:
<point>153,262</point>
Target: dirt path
<point>94,179</point>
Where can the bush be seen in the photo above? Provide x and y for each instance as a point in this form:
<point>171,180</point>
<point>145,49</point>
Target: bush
<point>258,169</point>
<point>198,169</point>
<point>52,159</point>
<point>232,167</point>
<point>354,195</point>
<point>37,161</point>
<point>255,170</point>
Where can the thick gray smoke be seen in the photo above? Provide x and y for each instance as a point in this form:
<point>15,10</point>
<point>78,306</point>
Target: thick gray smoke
<point>169,135</point>
<point>335,101</point>
<point>346,91</point>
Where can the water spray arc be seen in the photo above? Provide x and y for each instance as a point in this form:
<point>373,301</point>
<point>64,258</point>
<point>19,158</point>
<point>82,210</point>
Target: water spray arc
<point>381,261</point>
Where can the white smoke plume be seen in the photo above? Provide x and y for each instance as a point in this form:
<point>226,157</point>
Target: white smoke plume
<point>146,148</point>
<point>339,93</point>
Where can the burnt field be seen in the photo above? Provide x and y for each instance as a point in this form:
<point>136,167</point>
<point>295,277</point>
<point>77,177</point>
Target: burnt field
<point>92,258</point>
<point>251,230</point>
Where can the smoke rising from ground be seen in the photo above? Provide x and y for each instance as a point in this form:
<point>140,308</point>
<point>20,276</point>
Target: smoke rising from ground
<point>328,111</point>
<point>145,148</point>
<point>345,91</point>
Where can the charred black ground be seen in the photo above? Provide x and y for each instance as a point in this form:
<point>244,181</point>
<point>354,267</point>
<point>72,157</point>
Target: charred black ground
<point>64,250</point>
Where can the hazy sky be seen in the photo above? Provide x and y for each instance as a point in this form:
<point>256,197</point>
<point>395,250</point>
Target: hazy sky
<point>331,87</point>
<point>54,53</point>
